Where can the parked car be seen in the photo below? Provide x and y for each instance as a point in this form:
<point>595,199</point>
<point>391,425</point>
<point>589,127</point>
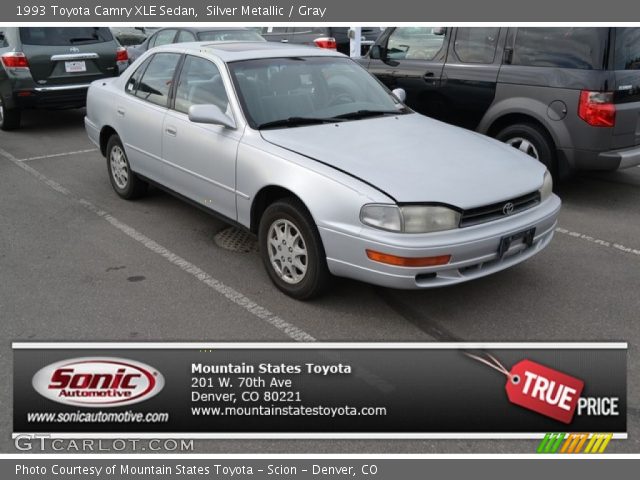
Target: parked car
<point>52,67</point>
<point>128,36</point>
<point>165,36</point>
<point>333,38</point>
<point>568,96</point>
<point>326,166</point>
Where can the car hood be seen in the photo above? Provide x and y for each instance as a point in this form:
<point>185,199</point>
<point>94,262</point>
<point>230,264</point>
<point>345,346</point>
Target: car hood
<point>413,158</point>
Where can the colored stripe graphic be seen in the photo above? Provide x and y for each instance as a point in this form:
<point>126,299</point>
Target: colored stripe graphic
<point>574,442</point>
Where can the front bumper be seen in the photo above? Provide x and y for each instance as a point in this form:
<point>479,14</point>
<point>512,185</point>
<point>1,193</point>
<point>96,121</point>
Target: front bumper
<point>473,250</point>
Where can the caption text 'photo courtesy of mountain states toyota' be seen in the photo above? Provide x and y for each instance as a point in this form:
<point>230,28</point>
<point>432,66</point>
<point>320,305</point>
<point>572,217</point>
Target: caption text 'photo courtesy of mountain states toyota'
<point>331,170</point>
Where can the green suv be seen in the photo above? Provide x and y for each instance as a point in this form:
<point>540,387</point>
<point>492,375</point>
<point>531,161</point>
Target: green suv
<point>52,67</point>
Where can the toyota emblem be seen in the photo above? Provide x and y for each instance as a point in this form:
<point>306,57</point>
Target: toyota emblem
<point>508,208</point>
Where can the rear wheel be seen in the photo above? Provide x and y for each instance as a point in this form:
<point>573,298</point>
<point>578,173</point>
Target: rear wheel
<point>532,140</point>
<point>9,117</point>
<point>123,180</point>
<point>292,251</point>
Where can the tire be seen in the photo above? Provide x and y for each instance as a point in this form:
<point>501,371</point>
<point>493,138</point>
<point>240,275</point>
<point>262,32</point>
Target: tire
<point>306,278</point>
<point>125,182</point>
<point>9,117</point>
<point>534,141</point>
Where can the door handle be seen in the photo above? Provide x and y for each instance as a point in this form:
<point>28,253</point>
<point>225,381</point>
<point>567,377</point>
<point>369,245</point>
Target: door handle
<point>173,131</point>
<point>428,76</point>
<point>284,40</point>
<point>120,111</point>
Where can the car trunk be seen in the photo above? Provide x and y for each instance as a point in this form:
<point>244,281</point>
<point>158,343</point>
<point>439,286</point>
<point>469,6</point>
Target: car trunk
<point>61,56</point>
<point>626,132</point>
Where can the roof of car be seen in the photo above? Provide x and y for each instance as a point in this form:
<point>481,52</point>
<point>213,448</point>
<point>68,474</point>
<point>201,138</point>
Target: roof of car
<point>233,51</point>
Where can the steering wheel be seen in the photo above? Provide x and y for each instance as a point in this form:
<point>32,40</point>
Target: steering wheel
<point>340,99</point>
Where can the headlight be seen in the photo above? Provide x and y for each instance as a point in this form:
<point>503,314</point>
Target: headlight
<point>410,218</point>
<point>547,187</point>
<point>386,217</point>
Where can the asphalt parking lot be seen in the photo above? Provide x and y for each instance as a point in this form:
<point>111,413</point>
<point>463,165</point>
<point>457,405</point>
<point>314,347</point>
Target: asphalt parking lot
<point>79,263</point>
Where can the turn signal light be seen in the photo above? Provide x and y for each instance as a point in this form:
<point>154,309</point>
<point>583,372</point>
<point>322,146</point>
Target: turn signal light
<point>597,108</point>
<point>408,261</point>
<point>122,55</point>
<point>326,42</point>
<point>15,60</point>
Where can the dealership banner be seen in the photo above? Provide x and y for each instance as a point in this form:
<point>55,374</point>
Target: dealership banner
<point>315,11</point>
<point>319,390</point>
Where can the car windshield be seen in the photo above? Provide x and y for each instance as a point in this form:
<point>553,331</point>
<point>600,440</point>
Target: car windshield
<point>230,36</point>
<point>290,92</point>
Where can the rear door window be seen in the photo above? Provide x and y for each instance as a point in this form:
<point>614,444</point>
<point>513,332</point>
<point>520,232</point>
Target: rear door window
<point>157,79</point>
<point>562,47</point>
<point>163,38</point>
<point>134,80</point>
<point>54,36</point>
<point>476,44</point>
<point>415,43</point>
<point>627,56</point>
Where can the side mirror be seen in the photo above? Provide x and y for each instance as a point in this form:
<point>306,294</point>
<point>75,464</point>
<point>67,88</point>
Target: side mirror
<point>400,94</point>
<point>210,114</point>
<point>376,52</point>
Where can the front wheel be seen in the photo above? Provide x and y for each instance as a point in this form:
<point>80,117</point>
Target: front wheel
<point>292,251</point>
<point>533,141</point>
<point>125,182</point>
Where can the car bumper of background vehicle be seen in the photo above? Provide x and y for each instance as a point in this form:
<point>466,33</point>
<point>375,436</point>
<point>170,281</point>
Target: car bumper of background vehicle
<point>63,96</point>
<point>627,157</point>
<point>594,160</point>
<point>473,250</point>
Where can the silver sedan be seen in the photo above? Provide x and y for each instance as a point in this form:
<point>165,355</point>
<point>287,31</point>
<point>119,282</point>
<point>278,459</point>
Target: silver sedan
<point>332,171</point>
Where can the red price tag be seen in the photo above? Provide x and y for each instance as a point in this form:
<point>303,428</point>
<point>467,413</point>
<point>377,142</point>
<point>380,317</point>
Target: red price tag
<point>544,390</point>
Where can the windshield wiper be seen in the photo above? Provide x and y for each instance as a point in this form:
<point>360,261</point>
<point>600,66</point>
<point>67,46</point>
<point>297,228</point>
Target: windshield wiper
<point>297,121</point>
<point>368,113</point>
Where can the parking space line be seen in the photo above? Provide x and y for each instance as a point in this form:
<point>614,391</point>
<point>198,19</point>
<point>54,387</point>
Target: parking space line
<point>54,155</point>
<point>229,293</point>
<point>597,241</point>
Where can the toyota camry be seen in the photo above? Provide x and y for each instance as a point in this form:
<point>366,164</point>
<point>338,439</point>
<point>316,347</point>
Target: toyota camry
<point>331,171</point>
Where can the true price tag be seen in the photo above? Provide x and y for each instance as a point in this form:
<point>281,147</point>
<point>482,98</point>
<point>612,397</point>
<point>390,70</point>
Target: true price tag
<point>539,388</point>
<point>544,390</point>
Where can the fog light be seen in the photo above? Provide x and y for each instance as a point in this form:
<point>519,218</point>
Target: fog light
<point>408,261</point>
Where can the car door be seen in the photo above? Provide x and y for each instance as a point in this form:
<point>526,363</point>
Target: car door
<point>201,158</point>
<point>141,110</point>
<point>470,74</point>
<point>413,58</point>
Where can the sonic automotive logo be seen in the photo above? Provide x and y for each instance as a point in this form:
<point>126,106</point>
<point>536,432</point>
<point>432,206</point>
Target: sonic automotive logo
<point>98,382</point>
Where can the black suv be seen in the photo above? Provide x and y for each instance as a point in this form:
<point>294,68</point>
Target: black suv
<point>568,96</point>
<point>334,38</point>
<point>52,67</point>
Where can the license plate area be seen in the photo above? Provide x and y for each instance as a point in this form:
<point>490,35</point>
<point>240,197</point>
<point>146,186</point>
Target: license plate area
<point>75,67</point>
<point>525,237</point>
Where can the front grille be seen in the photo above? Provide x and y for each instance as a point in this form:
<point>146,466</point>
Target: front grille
<point>488,213</point>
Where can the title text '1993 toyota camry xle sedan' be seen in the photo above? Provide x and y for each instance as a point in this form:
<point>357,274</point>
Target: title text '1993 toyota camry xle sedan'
<point>332,172</point>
